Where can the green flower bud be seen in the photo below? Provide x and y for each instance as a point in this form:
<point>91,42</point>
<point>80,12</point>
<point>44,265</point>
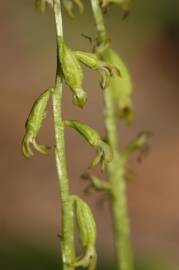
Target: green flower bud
<point>68,4</point>
<point>104,152</point>
<point>33,125</point>
<point>85,222</point>
<point>72,72</point>
<point>92,61</point>
<point>121,87</point>
<point>87,234</point>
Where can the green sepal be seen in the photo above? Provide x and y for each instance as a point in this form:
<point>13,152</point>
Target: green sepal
<point>92,61</point>
<point>87,234</point>
<point>72,73</point>
<point>33,125</point>
<point>121,87</point>
<point>104,152</point>
<point>69,4</point>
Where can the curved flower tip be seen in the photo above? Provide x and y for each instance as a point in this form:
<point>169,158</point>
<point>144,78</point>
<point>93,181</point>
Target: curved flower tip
<point>106,71</point>
<point>69,4</point>
<point>42,149</point>
<point>104,155</point>
<point>27,140</point>
<point>26,146</point>
<point>104,78</point>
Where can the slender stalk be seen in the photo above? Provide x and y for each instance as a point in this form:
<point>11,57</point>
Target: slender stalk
<point>67,238</point>
<point>116,168</point>
<point>98,16</point>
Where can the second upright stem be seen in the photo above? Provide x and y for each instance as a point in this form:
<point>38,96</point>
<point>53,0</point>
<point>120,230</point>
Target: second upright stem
<point>116,169</point>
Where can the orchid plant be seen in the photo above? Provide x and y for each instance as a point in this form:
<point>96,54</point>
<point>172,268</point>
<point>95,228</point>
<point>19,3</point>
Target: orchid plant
<point>117,89</point>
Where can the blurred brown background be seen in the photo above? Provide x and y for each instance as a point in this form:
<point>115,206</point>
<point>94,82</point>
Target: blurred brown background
<point>148,41</point>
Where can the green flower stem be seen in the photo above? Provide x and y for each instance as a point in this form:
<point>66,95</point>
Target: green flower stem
<point>116,169</point>
<point>67,237</point>
<point>102,35</point>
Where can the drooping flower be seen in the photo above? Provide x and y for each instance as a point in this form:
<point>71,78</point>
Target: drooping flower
<point>33,125</point>
<point>104,152</point>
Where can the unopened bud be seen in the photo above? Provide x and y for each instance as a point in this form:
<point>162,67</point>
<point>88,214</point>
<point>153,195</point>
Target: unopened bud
<point>87,233</point>
<point>73,73</point>
<point>104,155</point>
